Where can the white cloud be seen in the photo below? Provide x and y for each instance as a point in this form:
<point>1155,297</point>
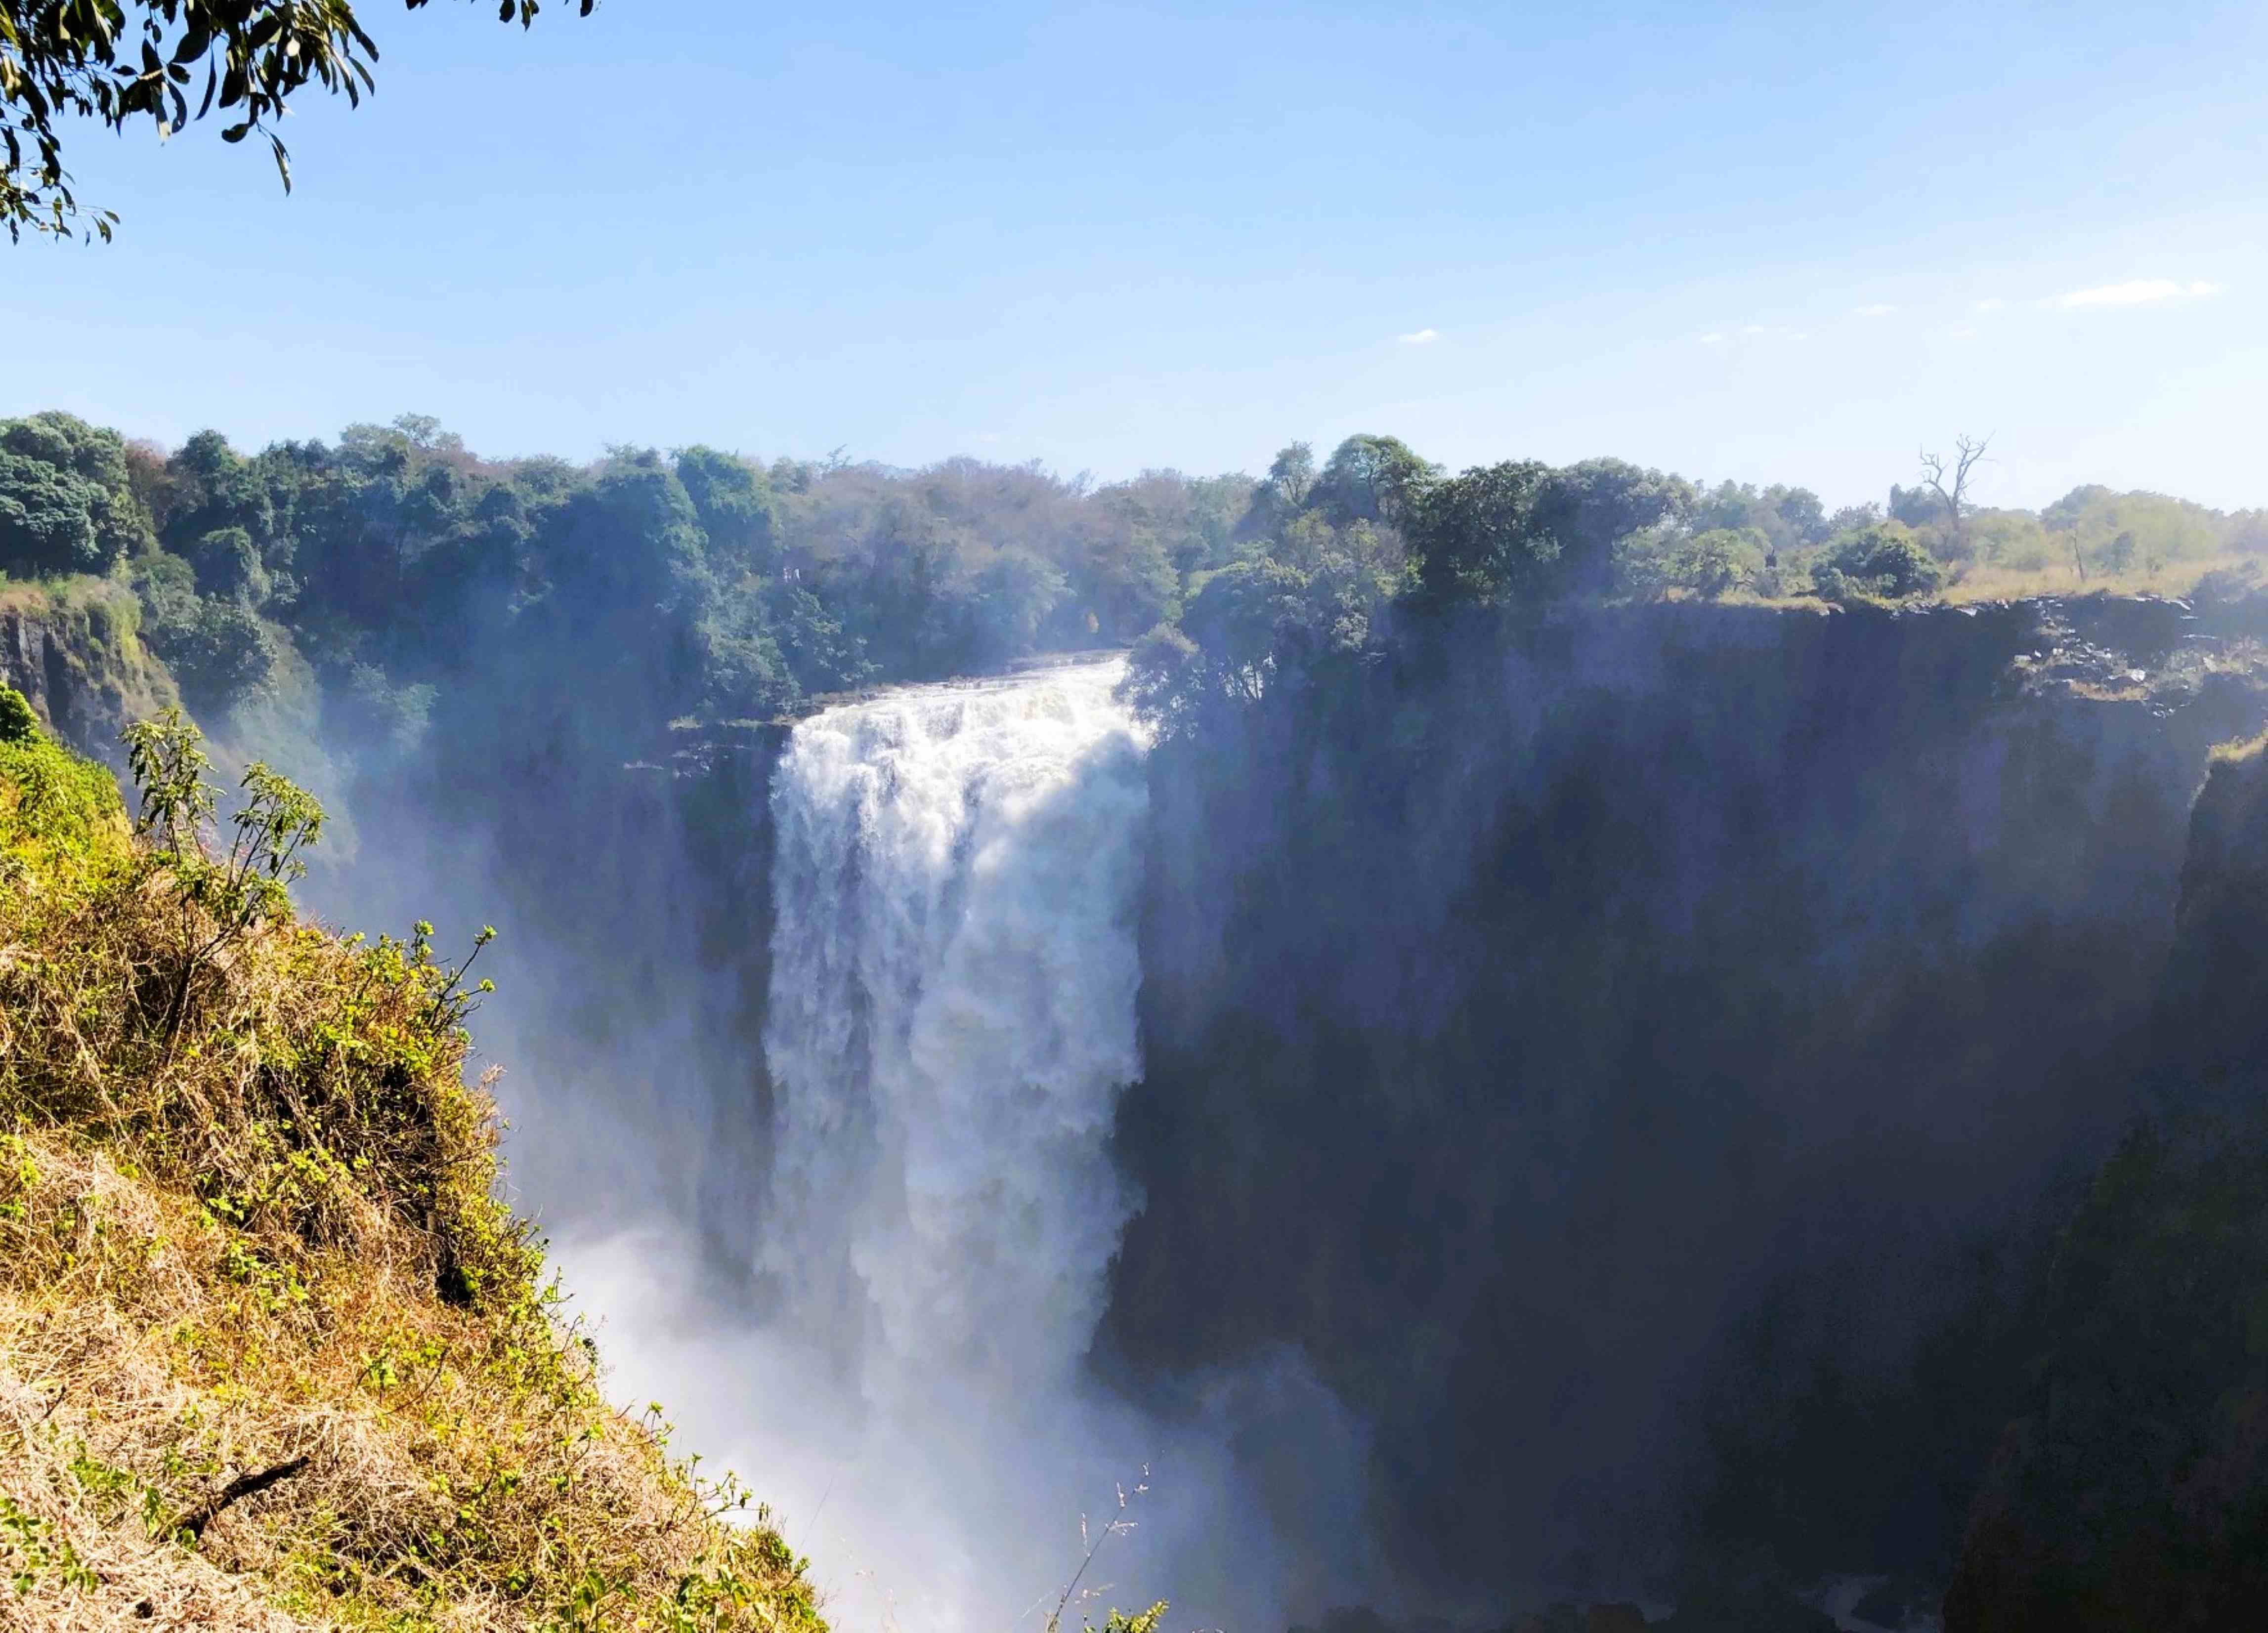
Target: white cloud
<point>2135,292</point>
<point>1991,304</point>
<point>1876,310</point>
<point>1714,337</point>
<point>1422,337</point>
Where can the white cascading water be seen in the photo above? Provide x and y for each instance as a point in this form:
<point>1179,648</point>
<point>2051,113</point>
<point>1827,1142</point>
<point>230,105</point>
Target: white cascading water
<point>951,1024</point>
<point>952,1019</point>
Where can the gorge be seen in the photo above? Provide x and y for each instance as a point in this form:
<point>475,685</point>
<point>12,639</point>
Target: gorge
<point>1532,1040</point>
<point>1132,819</point>
<point>1511,1128</point>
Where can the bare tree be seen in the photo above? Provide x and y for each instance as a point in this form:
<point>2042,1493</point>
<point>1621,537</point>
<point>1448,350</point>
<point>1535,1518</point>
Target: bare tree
<point>1968,452</point>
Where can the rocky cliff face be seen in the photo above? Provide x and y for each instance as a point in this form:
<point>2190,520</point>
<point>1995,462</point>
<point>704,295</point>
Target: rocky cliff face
<point>1606,1048</point>
<point>1577,1034</point>
<point>76,654</point>
<point>2132,1489</point>
<point>2211,1029</point>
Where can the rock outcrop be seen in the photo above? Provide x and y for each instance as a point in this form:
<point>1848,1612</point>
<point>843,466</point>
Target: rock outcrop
<point>76,654</point>
<point>2133,1493</point>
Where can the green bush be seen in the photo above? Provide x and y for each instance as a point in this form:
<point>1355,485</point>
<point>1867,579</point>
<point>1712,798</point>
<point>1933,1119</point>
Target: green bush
<point>18,721</point>
<point>1883,559</point>
<point>56,809</point>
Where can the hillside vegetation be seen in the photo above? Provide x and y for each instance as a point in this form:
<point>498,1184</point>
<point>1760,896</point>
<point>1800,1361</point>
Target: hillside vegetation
<point>334,604</point>
<point>271,1353</point>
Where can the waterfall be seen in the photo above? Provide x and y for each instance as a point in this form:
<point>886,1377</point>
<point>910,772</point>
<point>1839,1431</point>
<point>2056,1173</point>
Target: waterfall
<point>952,1019</point>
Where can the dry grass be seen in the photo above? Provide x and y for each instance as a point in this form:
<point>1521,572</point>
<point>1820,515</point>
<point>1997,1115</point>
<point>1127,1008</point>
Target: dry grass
<point>1979,583</point>
<point>270,1353</point>
<point>2177,580</point>
<point>2240,751</point>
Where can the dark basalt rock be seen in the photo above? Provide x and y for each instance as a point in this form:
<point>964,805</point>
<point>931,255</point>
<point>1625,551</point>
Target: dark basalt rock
<point>2133,1494</point>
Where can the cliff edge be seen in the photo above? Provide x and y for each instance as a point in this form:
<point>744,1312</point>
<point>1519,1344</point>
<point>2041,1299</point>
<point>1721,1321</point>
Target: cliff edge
<point>272,1355</point>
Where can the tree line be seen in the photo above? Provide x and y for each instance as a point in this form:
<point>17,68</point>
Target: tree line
<point>354,581</point>
<point>1337,563</point>
<point>363,576</point>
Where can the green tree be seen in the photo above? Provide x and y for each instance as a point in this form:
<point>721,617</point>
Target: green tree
<point>732,499</point>
<point>745,676</point>
<point>634,539</point>
<point>1719,561</point>
<point>44,525</point>
<point>820,653</point>
<point>215,488</point>
<point>1789,518</point>
<point>1885,559</point>
<point>1476,535</point>
<point>67,501</point>
<point>1370,478</point>
<point>1281,494</point>
<point>217,650</point>
<point>1131,582</point>
<point>1292,474</point>
<point>1016,595</point>
<point>1252,623</point>
<point>115,62</point>
<point>18,721</point>
<point>1193,518</point>
<point>1585,509</point>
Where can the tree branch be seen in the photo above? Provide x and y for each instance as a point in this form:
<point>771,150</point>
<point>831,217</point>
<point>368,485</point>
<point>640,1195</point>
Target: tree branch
<point>236,1490</point>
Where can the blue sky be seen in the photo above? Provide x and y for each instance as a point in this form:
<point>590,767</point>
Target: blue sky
<point>1789,242</point>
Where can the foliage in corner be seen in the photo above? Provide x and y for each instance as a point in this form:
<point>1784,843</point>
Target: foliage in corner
<point>272,1352</point>
<point>115,62</point>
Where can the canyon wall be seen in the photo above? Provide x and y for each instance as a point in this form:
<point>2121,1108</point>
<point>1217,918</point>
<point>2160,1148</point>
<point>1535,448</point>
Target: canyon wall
<point>1581,1039</point>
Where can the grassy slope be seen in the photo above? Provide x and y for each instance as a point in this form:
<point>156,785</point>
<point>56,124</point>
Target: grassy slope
<point>270,1353</point>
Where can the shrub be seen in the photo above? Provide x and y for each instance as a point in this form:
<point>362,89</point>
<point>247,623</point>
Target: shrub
<point>59,815</point>
<point>296,1363</point>
<point>1884,559</point>
<point>18,721</point>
